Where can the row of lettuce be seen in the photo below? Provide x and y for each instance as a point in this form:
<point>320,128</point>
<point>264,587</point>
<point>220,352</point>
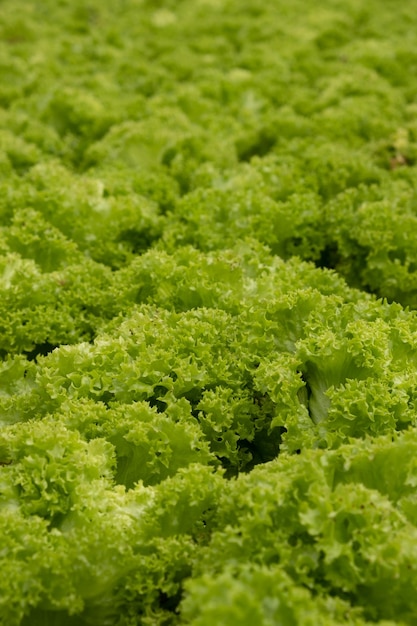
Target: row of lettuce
<point>237,444</point>
<point>365,228</point>
<point>207,415</point>
<point>207,123</point>
<point>323,537</point>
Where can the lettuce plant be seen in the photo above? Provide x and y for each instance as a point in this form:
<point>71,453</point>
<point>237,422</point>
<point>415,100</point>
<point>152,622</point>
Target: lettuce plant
<point>208,331</point>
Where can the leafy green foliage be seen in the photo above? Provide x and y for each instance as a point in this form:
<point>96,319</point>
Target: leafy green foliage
<point>208,335</point>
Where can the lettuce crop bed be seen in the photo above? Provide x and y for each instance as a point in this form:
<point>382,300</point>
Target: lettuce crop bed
<point>208,335</point>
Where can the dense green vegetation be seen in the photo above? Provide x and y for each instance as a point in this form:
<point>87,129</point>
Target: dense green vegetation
<point>208,336</point>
